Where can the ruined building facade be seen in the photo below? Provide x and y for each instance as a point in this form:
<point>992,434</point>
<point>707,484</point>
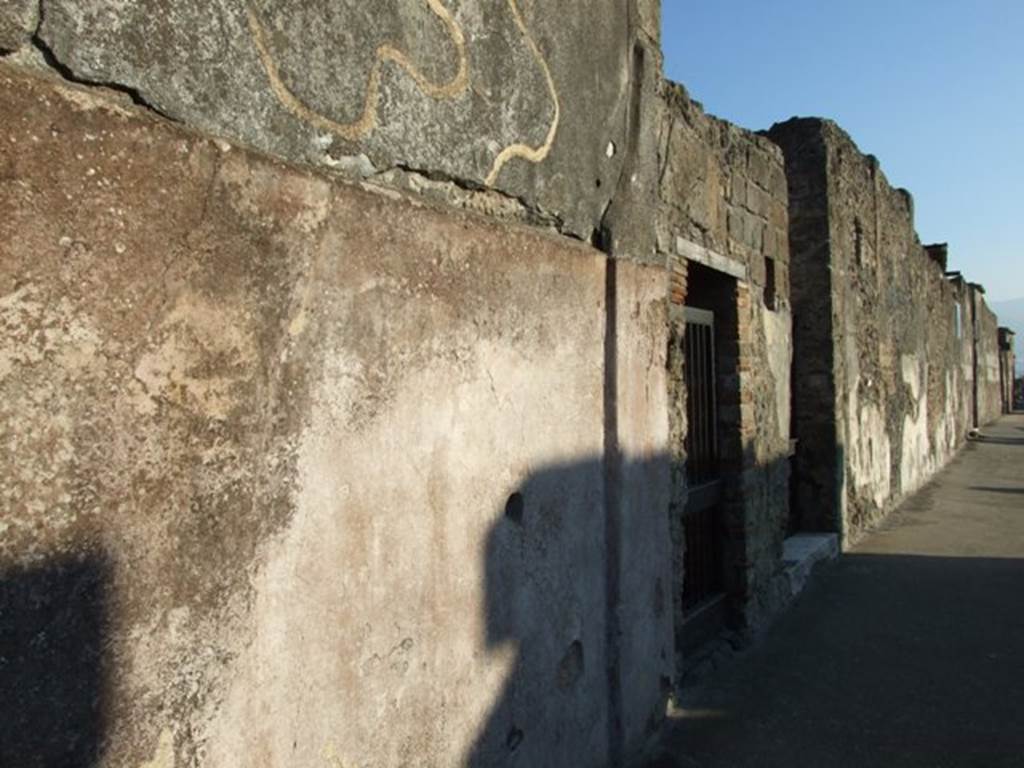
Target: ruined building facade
<point>723,231</point>
<point>425,385</point>
<point>894,358</point>
<point>1007,368</point>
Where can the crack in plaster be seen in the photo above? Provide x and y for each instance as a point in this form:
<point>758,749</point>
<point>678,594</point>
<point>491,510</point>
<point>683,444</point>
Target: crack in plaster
<point>67,73</point>
<point>531,212</point>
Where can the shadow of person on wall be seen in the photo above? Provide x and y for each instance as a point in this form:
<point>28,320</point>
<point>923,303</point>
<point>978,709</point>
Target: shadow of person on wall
<point>547,593</point>
<point>52,630</point>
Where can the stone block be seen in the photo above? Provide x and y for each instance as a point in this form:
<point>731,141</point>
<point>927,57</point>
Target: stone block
<point>803,552</point>
<point>778,186</point>
<point>18,21</point>
<point>737,225</point>
<point>755,234</point>
<point>501,94</point>
<point>757,201</point>
<point>759,166</point>
<point>737,190</point>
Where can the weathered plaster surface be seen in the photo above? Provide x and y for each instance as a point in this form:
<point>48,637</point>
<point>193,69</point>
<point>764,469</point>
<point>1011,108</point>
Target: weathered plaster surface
<point>778,330</point>
<point>989,400</point>
<point>496,93</point>
<point>644,613</point>
<point>891,398</point>
<point>266,430</point>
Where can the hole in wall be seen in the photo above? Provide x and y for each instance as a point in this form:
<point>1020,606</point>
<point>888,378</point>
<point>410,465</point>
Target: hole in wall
<point>571,667</point>
<point>515,508</point>
<point>514,739</point>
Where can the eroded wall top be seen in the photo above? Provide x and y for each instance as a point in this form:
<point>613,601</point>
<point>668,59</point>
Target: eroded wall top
<point>721,187</point>
<point>895,334</point>
<point>532,99</point>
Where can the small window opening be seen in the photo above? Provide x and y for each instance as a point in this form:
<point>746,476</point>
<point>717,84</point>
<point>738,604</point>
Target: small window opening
<point>858,241</point>
<point>769,283</point>
<point>514,739</point>
<point>958,321</point>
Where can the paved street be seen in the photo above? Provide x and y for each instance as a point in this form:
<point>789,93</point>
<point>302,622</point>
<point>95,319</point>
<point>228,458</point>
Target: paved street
<point>908,652</point>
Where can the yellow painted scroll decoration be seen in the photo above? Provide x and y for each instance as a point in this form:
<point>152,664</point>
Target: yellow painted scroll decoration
<point>452,89</point>
<point>530,154</point>
<point>368,120</point>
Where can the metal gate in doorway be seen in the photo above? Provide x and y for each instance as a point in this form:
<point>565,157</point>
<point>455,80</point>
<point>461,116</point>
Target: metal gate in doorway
<point>703,583</point>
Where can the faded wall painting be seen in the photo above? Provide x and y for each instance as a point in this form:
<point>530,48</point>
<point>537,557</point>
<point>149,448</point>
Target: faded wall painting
<point>496,93</point>
<point>426,59</point>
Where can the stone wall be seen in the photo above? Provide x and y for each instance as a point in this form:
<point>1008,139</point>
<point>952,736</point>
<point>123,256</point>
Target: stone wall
<point>299,472</point>
<point>342,400</point>
<point>990,404</point>
<point>497,95</point>
<point>1007,367</point>
<point>723,208</point>
<point>883,392</point>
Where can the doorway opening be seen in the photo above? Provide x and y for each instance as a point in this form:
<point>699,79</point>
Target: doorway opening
<point>713,450</point>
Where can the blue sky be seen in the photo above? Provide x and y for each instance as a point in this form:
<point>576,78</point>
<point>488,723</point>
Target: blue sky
<point>933,88</point>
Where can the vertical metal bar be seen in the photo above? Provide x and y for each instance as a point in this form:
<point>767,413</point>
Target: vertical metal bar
<point>702,577</point>
<point>701,435</point>
<point>691,402</point>
<point>688,373</point>
<point>709,390</point>
<point>695,337</point>
<point>713,410</point>
<point>694,427</point>
<point>702,426</point>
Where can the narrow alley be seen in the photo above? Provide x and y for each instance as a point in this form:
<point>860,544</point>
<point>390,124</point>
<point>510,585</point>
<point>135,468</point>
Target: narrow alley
<point>907,652</point>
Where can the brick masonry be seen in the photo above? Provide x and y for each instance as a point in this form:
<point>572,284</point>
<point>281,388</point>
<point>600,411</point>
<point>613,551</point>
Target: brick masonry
<point>723,211</point>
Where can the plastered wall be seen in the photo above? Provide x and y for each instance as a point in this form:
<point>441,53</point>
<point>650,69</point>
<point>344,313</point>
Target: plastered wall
<point>313,473</point>
<point>987,329</point>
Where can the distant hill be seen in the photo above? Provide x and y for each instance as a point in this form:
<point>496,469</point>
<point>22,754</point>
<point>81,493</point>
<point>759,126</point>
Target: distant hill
<point>1011,315</point>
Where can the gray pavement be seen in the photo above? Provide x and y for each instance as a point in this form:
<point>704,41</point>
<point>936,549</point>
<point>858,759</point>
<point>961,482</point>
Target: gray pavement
<point>907,652</point>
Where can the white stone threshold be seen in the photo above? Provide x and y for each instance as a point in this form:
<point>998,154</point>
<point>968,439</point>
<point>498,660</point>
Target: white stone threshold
<point>804,551</point>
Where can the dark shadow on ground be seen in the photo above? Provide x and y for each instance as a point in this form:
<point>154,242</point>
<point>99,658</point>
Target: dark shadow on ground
<point>989,489</point>
<point>52,631</point>
<point>998,440</point>
<point>885,661</point>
